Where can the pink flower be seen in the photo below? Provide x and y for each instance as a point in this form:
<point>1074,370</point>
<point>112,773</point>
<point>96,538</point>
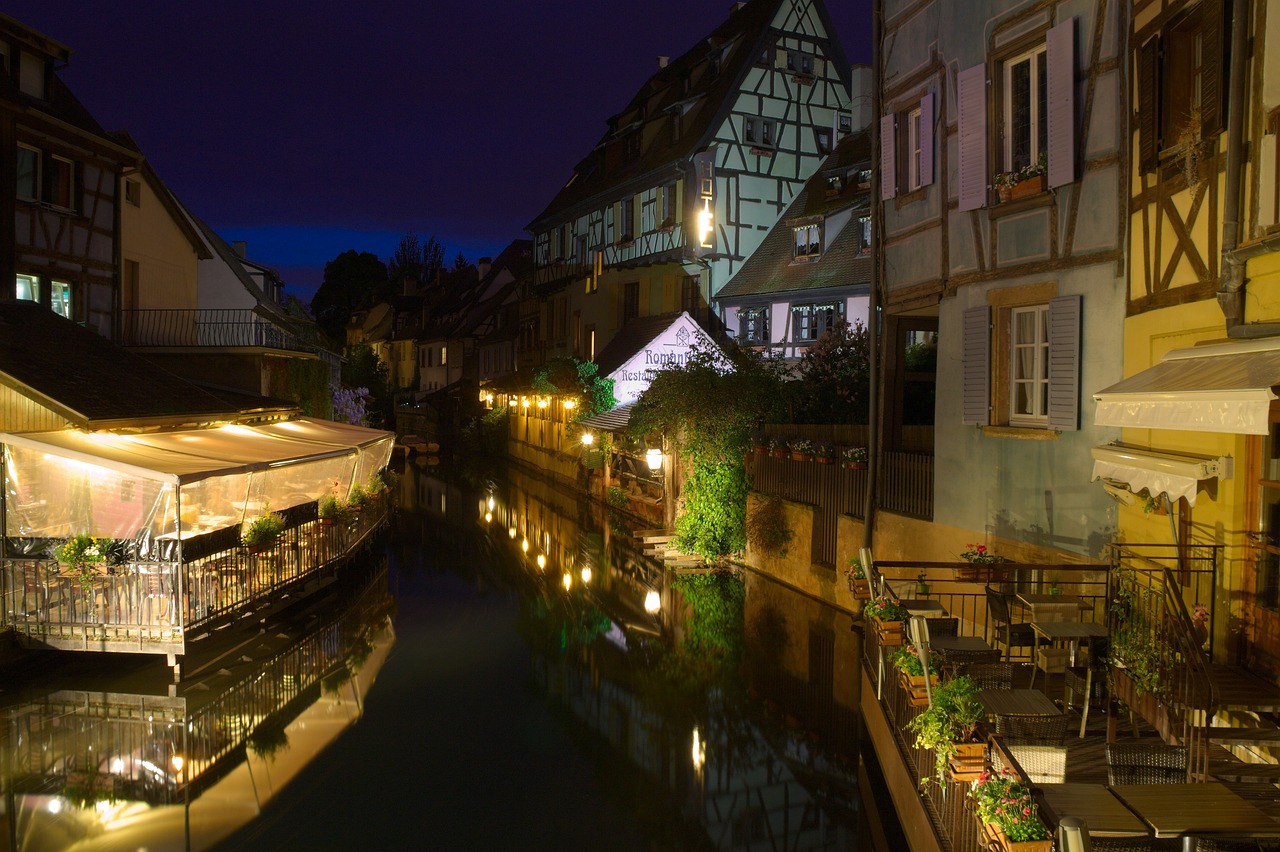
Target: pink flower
<point>1026,811</point>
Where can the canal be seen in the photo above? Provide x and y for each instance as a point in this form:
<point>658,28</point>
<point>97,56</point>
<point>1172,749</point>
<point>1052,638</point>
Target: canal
<point>509,670</point>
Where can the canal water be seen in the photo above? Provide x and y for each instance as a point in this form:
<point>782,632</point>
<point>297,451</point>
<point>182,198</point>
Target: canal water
<point>510,671</point>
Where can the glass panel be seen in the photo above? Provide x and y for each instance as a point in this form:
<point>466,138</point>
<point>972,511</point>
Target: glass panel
<point>1021,398</point>
<point>1020,114</point>
<point>1041,105</point>
<point>60,298</point>
<point>28,288</point>
<point>28,173</point>
<point>1024,329</point>
<point>1024,363</point>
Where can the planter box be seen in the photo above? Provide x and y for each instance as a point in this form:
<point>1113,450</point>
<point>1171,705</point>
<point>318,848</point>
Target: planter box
<point>855,465</point>
<point>980,573</point>
<point>1146,705</point>
<point>915,688</point>
<point>889,633</point>
<point>996,839</point>
<point>801,456</point>
<point>861,588</point>
<point>968,762</point>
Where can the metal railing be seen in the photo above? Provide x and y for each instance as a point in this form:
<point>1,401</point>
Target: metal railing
<point>208,327</point>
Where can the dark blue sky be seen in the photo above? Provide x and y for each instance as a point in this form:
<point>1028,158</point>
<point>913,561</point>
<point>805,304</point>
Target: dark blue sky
<point>306,133</point>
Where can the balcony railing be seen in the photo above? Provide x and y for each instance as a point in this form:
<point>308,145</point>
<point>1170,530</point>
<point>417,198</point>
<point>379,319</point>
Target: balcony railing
<point>214,327</point>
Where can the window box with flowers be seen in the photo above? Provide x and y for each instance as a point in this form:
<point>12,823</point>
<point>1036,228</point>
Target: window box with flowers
<point>854,458</point>
<point>887,616</point>
<point>949,727</point>
<point>759,444</point>
<point>801,449</point>
<point>81,557</point>
<point>1030,180</point>
<point>983,565</point>
<point>1008,815</point>
<point>824,453</point>
<point>778,448</point>
<point>857,577</point>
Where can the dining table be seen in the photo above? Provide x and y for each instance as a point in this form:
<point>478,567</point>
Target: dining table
<point>1026,702</point>
<point>1188,811</point>
<point>1103,813</point>
<point>1053,607</point>
<point>1069,633</point>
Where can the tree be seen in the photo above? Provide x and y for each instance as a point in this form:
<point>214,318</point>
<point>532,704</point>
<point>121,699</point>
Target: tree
<point>571,375</point>
<point>416,261</point>
<point>835,377</point>
<point>352,281</point>
<point>362,369</point>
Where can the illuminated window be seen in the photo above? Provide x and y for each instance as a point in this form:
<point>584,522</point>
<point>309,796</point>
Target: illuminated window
<point>28,288</point>
<point>809,322</point>
<point>444,354</point>
<point>60,298</point>
<point>753,325</point>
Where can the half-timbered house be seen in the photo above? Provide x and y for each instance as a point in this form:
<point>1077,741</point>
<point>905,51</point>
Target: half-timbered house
<point>1001,185</point>
<point>688,178</point>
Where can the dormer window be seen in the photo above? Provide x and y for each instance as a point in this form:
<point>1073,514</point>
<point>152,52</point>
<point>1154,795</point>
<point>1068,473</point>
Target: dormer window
<point>633,144</point>
<point>800,63</point>
<point>808,241</point>
<point>835,184</point>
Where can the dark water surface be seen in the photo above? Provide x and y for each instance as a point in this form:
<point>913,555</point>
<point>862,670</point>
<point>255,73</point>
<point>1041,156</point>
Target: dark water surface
<point>457,695</point>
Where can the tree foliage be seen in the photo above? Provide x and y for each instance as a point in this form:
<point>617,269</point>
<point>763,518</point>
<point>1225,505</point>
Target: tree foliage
<point>835,377</point>
<point>417,261</point>
<point>572,376</point>
<point>363,369</point>
<point>714,520</point>
<point>352,282</point>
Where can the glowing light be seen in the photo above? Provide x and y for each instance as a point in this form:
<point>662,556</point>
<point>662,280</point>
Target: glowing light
<point>588,439</point>
<point>652,602</point>
<point>586,575</point>
<point>55,806</point>
<point>511,531</point>
<point>117,766</point>
<point>490,504</point>
<point>699,750</point>
<point>524,545</point>
<point>653,458</point>
<point>543,402</point>
<point>524,402</point>
<point>177,762</point>
<point>568,581</point>
<point>570,403</point>
<point>488,516</point>
<point>542,561</point>
<point>705,224</point>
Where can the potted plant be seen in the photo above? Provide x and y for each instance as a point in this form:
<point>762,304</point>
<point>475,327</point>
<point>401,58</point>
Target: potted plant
<point>79,556</point>
<point>1024,182</point>
<point>333,511</point>
<point>911,673</point>
<point>262,532</point>
<point>801,449</point>
<point>983,564</point>
<point>887,616</point>
<point>857,577</point>
<point>949,727</point>
<point>778,448</point>
<point>1008,814</point>
<point>358,498</point>
<point>854,458</point>
<point>759,444</point>
<point>824,453</point>
<point>922,584</point>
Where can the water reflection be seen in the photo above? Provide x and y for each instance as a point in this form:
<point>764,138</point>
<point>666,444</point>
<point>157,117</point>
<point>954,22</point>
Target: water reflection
<point>125,760</point>
<point>728,738</point>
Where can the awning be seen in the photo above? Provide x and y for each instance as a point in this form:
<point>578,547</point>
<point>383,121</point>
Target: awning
<point>1153,471</point>
<point>1223,387</point>
<point>614,420</point>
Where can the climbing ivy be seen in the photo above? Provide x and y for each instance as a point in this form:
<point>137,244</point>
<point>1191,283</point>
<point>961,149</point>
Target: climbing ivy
<point>571,375</point>
<point>713,524</point>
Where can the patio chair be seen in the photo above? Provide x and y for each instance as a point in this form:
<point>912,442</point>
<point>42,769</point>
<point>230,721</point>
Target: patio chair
<point>1036,742</point>
<point>1007,631</point>
<point>1227,844</point>
<point>942,627</point>
<point>989,675</point>
<point>1143,763</point>
<point>1123,844</point>
<point>1089,680</point>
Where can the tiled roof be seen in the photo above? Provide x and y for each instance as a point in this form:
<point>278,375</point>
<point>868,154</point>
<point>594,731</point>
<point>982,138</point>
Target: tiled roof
<point>630,339</point>
<point>773,269</point>
<point>86,378</point>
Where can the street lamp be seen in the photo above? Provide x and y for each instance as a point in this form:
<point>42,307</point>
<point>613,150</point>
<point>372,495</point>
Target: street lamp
<point>652,602</point>
<point>588,439</point>
<point>653,458</point>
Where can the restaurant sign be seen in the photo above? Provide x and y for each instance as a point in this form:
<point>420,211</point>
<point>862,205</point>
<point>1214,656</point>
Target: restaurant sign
<point>671,348</point>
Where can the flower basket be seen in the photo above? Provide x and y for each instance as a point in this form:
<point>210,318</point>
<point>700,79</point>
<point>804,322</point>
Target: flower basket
<point>1027,187</point>
<point>855,465</point>
<point>780,452</point>
<point>801,457</point>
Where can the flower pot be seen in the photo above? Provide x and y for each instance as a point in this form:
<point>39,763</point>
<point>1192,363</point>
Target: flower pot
<point>967,762</point>
<point>1045,845</point>
<point>855,465</point>
<point>759,449</point>
<point>780,454</point>
<point>922,588</point>
<point>326,522</point>
<point>824,459</point>
<point>888,633</point>
<point>801,457</point>
<point>1027,187</point>
<point>861,588</point>
<point>917,694</point>
<point>1004,193</point>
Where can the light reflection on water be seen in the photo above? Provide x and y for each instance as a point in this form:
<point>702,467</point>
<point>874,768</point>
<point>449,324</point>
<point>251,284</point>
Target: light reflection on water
<point>763,753</point>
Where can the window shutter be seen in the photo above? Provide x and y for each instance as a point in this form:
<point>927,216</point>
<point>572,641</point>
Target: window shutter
<point>1061,60</point>
<point>926,140</point>
<point>972,94</point>
<point>975,381</point>
<point>1064,363</point>
<point>1211,76</point>
<point>888,168</point>
<point>819,66</point>
<point>780,57</point>
<point>1149,105</point>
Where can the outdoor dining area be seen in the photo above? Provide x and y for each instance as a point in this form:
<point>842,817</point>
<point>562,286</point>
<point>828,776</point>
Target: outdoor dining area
<point>143,541</point>
<point>1020,720</point>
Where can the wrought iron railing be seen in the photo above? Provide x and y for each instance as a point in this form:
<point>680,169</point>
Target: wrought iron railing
<point>209,327</point>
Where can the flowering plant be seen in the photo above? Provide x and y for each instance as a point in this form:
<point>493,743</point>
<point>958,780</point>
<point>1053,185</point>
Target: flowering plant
<point>906,660</point>
<point>855,569</point>
<point>1030,170</point>
<point>885,609</point>
<point>1003,801</point>
<point>802,445</point>
<point>979,555</point>
<point>1199,613</point>
<point>854,454</point>
<point>824,451</point>
<point>81,553</point>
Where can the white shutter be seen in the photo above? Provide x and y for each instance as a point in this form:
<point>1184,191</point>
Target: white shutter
<point>926,140</point>
<point>975,375</point>
<point>1064,363</point>
<point>1061,61</point>
<point>971,85</point>
<point>888,166</point>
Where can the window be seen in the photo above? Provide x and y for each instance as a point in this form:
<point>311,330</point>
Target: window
<point>633,145</point>
<point>630,300</point>
<point>691,295</point>
<point>753,326</point>
<point>1026,120</point>
<point>759,132</point>
<point>1181,74</point>
<point>835,184</point>
<point>628,223</point>
<point>677,125</point>
<point>846,124</point>
<point>31,75</point>
<point>668,205</point>
<point>133,192</point>
<point>906,150</point>
<point>590,335</point>
<point>1029,365</point>
<point>28,288</point>
<point>28,187</point>
<point>810,322</point>
<point>800,63</point>
<point>1023,369</point>
<point>913,149</point>
<point>557,246</point>
<point>444,354</point>
<point>60,298</point>
<point>864,235</point>
<point>60,177</point>
<point>822,137</point>
<point>808,241</point>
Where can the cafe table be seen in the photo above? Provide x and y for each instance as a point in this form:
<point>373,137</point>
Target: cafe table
<point>1068,632</point>
<point>1053,607</point>
<point>924,607</point>
<point>1189,811</point>
<point>1025,702</point>
<point>1103,813</point>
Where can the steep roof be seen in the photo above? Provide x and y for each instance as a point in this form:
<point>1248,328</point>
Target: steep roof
<point>104,384</point>
<point>631,338</point>
<point>688,84</point>
<point>773,268</point>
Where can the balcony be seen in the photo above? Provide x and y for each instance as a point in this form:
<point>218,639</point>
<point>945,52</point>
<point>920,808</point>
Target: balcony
<point>222,327</point>
<point>1064,713</point>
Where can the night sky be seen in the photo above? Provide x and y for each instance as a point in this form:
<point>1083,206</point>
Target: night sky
<point>306,133</point>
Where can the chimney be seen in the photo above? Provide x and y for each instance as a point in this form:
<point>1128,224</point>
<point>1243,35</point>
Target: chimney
<point>662,62</point>
<point>860,104</point>
<point>238,247</point>
<point>483,265</point>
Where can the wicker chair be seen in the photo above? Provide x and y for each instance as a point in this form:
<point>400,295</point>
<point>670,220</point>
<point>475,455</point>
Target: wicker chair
<point>1035,741</point>
<point>1141,763</point>
<point>1122,844</point>
<point>1224,844</point>
<point>942,626</point>
<point>989,675</point>
<point>1007,631</point>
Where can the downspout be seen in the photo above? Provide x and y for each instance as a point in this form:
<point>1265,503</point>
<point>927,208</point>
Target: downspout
<point>873,301</point>
<point>1231,278</point>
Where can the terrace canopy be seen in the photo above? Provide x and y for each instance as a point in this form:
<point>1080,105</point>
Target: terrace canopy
<point>178,484</point>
